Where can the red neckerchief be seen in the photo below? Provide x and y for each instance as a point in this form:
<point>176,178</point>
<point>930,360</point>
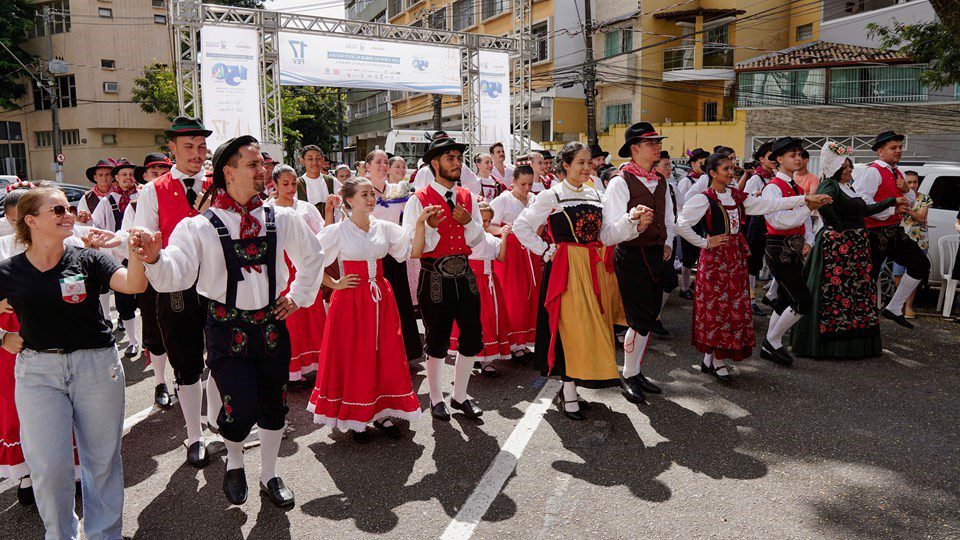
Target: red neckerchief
<point>546,180</point>
<point>765,174</point>
<point>634,169</point>
<point>98,193</point>
<point>124,196</point>
<point>249,226</point>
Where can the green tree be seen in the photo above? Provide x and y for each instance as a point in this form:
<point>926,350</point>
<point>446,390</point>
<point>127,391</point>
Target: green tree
<point>15,26</point>
<point>930,43</point>
<point>255,4</point>
<point>156,90</point>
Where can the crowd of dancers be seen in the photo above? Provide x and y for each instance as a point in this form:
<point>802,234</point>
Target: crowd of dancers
<point>239,265</point>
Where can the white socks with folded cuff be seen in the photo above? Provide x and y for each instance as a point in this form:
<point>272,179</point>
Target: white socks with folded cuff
<point>903,292</point>
<point>780,325</point>
<point>634,347</point>
<point>434,369</point>
<point>269,450</point>
<point>159,363</point>
<point>464,367</point>
<point>130,326</point>
<point>214,402</point>
<point>190,396</point>
<point>234,454</point>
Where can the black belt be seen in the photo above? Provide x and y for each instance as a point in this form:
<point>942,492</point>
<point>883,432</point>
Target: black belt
<point>53,351</point>
<point>453,266</point>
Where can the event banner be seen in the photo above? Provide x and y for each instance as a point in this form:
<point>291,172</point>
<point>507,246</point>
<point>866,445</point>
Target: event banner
<point>230,83</point>
<point>493,107</point>
<point>310,60</point>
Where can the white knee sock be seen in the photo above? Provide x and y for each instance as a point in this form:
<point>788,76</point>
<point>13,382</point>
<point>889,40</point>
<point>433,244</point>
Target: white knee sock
<point>708,359</point>
<point>434,369</point>
<point>130,325</point>
<point>269,450</point>
<point>663,300</point>
<point>634,347</point>
<point>159,363</point>
<point>464,367</point>
<point>190,396</point>
<point>787,319</point>
<point>570,396</point>
<point>214,401</point>
<point>105,306</point>
<point>685,279</point>
<point>234,454</point>
<point>774,317</point>
<point>903,292</point>
<point>772,291</point>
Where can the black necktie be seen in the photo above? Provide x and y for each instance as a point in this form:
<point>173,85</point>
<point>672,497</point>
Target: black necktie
<point>450,202</point>
<point>190,193</point>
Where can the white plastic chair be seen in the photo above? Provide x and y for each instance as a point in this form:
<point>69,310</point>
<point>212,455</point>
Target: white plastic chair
<point>948,290</point>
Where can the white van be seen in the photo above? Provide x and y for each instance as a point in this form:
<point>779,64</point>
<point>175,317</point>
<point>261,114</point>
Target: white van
<point>410,144</point>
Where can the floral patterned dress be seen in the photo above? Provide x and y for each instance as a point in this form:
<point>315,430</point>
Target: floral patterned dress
<point>843,322</point>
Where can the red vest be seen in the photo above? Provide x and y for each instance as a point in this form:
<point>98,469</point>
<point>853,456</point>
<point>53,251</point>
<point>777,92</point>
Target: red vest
<point>172,205</point>
<point>788,191</point>
<point>452,238</point>
<point>888,188</point>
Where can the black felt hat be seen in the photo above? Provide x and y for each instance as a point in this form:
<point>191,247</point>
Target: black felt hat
<point>697,153</point>
<point>101,164</point>
<point>781,145</point>
<point>223,154</point>
<point>122,164</point>
<point>886,137</point>
<point>596,151</point>
<point>266,158</point>
<point>635,133</point>
<point>762,150</point>
<point>186,126</point>
<point>152,160</point>
<point>440,146</point>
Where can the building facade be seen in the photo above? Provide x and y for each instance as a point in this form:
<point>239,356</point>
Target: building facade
<point>558,109</point>
<point>368,111</point>
<point>105,45</point>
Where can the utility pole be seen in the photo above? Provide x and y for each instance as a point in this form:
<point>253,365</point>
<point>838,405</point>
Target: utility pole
<point>590,74</point>
<point>54,92</point>
<point>437,112</point>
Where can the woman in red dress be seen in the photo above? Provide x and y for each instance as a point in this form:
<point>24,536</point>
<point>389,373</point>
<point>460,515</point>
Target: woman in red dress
<point>722,319</point>
<point>363,376</point>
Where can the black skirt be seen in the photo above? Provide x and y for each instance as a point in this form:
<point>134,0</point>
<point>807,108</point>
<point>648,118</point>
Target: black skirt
<point>396,274</point>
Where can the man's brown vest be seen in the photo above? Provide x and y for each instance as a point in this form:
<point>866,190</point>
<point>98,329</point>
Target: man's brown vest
<point>656,233</point>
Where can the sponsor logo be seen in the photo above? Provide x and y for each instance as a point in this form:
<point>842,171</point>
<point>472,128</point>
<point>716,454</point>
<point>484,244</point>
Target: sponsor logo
<point>421,64</point>
<point>230,74</point>
<point>491,89</point>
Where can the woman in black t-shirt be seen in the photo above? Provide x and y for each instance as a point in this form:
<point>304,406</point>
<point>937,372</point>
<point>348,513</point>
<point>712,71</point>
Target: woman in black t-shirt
<point>69,378</point>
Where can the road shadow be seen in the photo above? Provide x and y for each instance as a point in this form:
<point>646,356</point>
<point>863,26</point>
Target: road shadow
<point>159,433</point>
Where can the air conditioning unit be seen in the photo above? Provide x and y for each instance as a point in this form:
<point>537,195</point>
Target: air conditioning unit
<point>111,88</point>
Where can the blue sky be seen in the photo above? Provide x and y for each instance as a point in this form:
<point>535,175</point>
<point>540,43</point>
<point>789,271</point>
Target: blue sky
<point>327,8</point>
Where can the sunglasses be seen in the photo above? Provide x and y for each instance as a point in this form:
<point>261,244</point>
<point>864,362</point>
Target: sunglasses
<point>59,210</point>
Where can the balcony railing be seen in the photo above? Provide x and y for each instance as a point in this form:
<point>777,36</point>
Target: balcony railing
<point>872,84</point>
<point>714,57</point>
<point>888,84</point>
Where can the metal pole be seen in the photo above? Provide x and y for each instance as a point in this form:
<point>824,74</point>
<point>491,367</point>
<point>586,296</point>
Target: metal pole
<point>437,112</point>
<point>590,74</point>
<point>54,93</point>
<point>341,138</point>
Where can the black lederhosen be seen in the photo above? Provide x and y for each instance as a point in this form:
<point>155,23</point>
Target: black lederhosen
<point>126,303</point>
<point>181,316</point>
<point>640,278</point>
<point>149,325</point>
<point>756,235</point>
<point>396,274</point>
<point>448,292</point>
<point>248,351</point>
<point>891,242</point>
<point>784,256</point>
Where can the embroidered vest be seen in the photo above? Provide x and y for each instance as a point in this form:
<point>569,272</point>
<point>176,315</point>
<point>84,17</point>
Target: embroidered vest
<point>92,200</point>
<point>788,190</point>
<point>656,233</point>
<point>716,220</point>
<point>888,188</point>
<point>452,238</point>
<point>172,205</point>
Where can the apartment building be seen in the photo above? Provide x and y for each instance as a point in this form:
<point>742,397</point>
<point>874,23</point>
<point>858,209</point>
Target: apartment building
<point>368,111</point>
<point>105,45</point>
<point>558,110</point>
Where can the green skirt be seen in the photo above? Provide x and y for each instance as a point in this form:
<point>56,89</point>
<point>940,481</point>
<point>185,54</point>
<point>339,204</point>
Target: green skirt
<point>843,320</point>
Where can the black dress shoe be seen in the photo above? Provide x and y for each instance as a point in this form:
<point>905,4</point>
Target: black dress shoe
<point>488,370</point>
<point>25,496</point>
<point>630,388</point>
<point>704,368</point>
<point>360,437</point>
<point>584,404</point>
<point>161,396</point>
<point>468,408</point>
<point>392,431</point>
<point>235,486</point>
<point>278,493</point>
<point>646,385</point>
<point>572,415</point>
<point>899,319</point>
<point>299,384</point>
<point>659,329</point>
<point>725,378</point>
<point>197,455</point>
<point>686,294</point>
<point>439,411</point>
<point>779,356</point>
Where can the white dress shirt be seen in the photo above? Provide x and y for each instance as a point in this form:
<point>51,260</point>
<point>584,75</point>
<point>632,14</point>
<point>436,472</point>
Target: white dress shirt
<point>869,182</point>
<point>506,176</point>
<point>472,231</point>
<point>103,218</point>
<point>617,226</point>
<point>683,187</point>
<point>507,207</point>
<point>425,177</point>
<point>317,192</point>
<point>535,215</point>
<point>696,207</point>
<point>195,254</point>
<point>305,211</point>
<point>82,206</point>
<point>788,219</point>
<point>754,185</point>
<point>347,242</point>
<point>148,214</point>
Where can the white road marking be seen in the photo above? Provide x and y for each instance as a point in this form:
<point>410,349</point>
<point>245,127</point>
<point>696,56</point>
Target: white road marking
<point>128,423</point>
<point>503,465</point>
<point>900,360</point>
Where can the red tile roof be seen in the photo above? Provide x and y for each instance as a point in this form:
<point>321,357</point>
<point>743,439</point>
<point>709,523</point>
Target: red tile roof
<point>820,53</point>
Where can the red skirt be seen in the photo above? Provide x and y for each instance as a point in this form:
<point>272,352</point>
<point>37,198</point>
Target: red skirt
<point>12,464</point>
<point>520,275</point>
<point>363,374</point>
<point>306,333</point>
<point>493,317</point>
<point>722,320</point>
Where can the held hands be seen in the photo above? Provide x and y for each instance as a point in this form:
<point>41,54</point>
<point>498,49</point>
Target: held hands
<point>903,205</point>
<point>506,230</point>
<point>12,343</point>
<point>816,201</point>
<point>461,215</point>
<point>431,215</point>
<point>83,216</point>
<point>285,308</point>
<point>667,252</point>
<point>643,216</point>
<point>330,204</point>
<point>717,241</point>
<point>145,245</point>
<point>101,239</point>
<point>348,281</point>
<point>549,253</point>
<point>806,250</point>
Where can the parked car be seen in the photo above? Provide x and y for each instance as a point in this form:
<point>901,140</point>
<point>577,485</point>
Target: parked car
<point>73,192</point>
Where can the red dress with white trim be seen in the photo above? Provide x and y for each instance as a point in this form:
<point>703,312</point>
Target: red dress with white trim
<point>12,464</point>
<point>519,275</point>
<point>363,374</point>
<point>493,311</point>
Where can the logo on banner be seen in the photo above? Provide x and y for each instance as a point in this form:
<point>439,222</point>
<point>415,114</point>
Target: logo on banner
<point>232,75</point>
<point>73,289</point>
<point>421,64</point>
<point>299,48</point>
<point>491,89</point>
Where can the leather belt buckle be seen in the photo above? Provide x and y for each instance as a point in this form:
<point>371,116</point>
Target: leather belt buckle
<point>453,266</point>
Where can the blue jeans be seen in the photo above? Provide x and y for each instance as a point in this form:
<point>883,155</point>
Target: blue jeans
<point>79,393</point>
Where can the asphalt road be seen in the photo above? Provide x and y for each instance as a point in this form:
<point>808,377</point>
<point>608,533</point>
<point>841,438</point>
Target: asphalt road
<point>825,449</point>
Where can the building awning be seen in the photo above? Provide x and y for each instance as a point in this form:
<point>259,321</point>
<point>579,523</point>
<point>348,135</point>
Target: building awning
<point>690,15</point>
<point>822,54</point>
